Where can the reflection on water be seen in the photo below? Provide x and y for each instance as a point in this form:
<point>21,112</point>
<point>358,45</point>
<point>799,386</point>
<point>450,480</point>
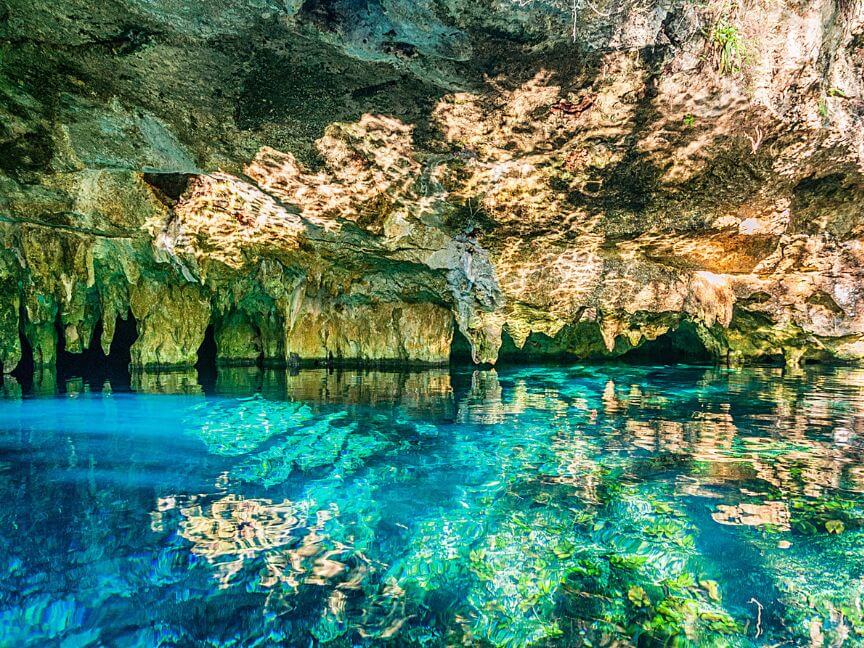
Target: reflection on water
<point>524,506</point>
<point>165,382</point>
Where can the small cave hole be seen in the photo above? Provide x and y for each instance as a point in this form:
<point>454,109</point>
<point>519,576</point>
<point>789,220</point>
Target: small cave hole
<point>168,186</point>
<point>681,345</point>
<point>768,360</point>
<point>206,364</point>
<point>460,348</point>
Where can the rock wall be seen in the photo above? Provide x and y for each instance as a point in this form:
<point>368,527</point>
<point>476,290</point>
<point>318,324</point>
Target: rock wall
<point>328,180</point>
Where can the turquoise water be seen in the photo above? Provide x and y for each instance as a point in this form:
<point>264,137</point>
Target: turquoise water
<point>608,505</point>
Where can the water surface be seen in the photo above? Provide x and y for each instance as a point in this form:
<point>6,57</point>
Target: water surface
<point>607,505</point>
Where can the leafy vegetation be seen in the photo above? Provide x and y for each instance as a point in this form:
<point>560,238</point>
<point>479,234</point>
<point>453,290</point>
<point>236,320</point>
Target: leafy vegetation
<point>823,109</point>
<point>729,46</point>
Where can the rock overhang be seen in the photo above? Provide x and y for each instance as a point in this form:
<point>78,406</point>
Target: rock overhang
<point>360,178</point>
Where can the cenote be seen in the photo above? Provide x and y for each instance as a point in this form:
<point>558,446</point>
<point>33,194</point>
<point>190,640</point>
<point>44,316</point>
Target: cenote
<point>431,323</point>
<point>524,505</point>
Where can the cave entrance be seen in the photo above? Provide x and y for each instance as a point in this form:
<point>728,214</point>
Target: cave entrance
<point>92,365</point>
<point>23,373</point>
<point>206,364</point>
<point>168,186</point>
<point>460,348</point>
<point>681,345</point>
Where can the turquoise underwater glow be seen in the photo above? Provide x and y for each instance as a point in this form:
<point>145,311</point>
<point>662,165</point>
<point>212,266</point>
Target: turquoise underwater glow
<point>601,505</point>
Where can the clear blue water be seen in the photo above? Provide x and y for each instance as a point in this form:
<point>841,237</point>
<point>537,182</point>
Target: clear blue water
<point>572,506</point>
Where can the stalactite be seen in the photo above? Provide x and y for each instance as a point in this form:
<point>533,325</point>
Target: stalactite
<point>172,319</point>
<point>10,342</point>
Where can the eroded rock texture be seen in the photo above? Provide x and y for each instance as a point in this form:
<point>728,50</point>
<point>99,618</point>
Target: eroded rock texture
<point>329,179</point>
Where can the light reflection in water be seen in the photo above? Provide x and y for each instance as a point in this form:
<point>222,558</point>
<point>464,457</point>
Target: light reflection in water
<point>531,505</point>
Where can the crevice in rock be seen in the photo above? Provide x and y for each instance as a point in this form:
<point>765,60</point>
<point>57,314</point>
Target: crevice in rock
<point>125,335</point>
<point>23,372</point>
<point>168,187</point>
<point>128,41</point>
<point>460,348</point>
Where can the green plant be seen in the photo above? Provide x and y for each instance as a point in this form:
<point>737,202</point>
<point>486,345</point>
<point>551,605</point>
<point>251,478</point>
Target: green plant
<point>823,109</point>
<point>689,120</point>
<point>728,43</point>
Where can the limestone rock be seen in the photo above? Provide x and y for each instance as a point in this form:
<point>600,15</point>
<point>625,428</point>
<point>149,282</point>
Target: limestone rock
<point>381,181</point>
<point>380,332</point>
<point>172,320</point>
<point>238,340</point>
<point>10,344</point>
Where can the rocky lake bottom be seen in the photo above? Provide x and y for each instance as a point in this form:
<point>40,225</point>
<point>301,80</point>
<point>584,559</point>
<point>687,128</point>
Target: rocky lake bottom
<point>529,505</point>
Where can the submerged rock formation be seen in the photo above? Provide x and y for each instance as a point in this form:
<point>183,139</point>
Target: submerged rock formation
<point>338,180</point>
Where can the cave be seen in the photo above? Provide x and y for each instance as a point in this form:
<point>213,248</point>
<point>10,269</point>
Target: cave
<point>681,345</point>
<point>303,201</point>
<point>539,347</point>
<point>460,348</point>
<point>169,187</point>
<point>93,366</point>
<point>583,343</point>
<point>206,364</point>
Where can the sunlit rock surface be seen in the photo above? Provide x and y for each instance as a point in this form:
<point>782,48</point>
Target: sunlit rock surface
<point>387,180</point>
